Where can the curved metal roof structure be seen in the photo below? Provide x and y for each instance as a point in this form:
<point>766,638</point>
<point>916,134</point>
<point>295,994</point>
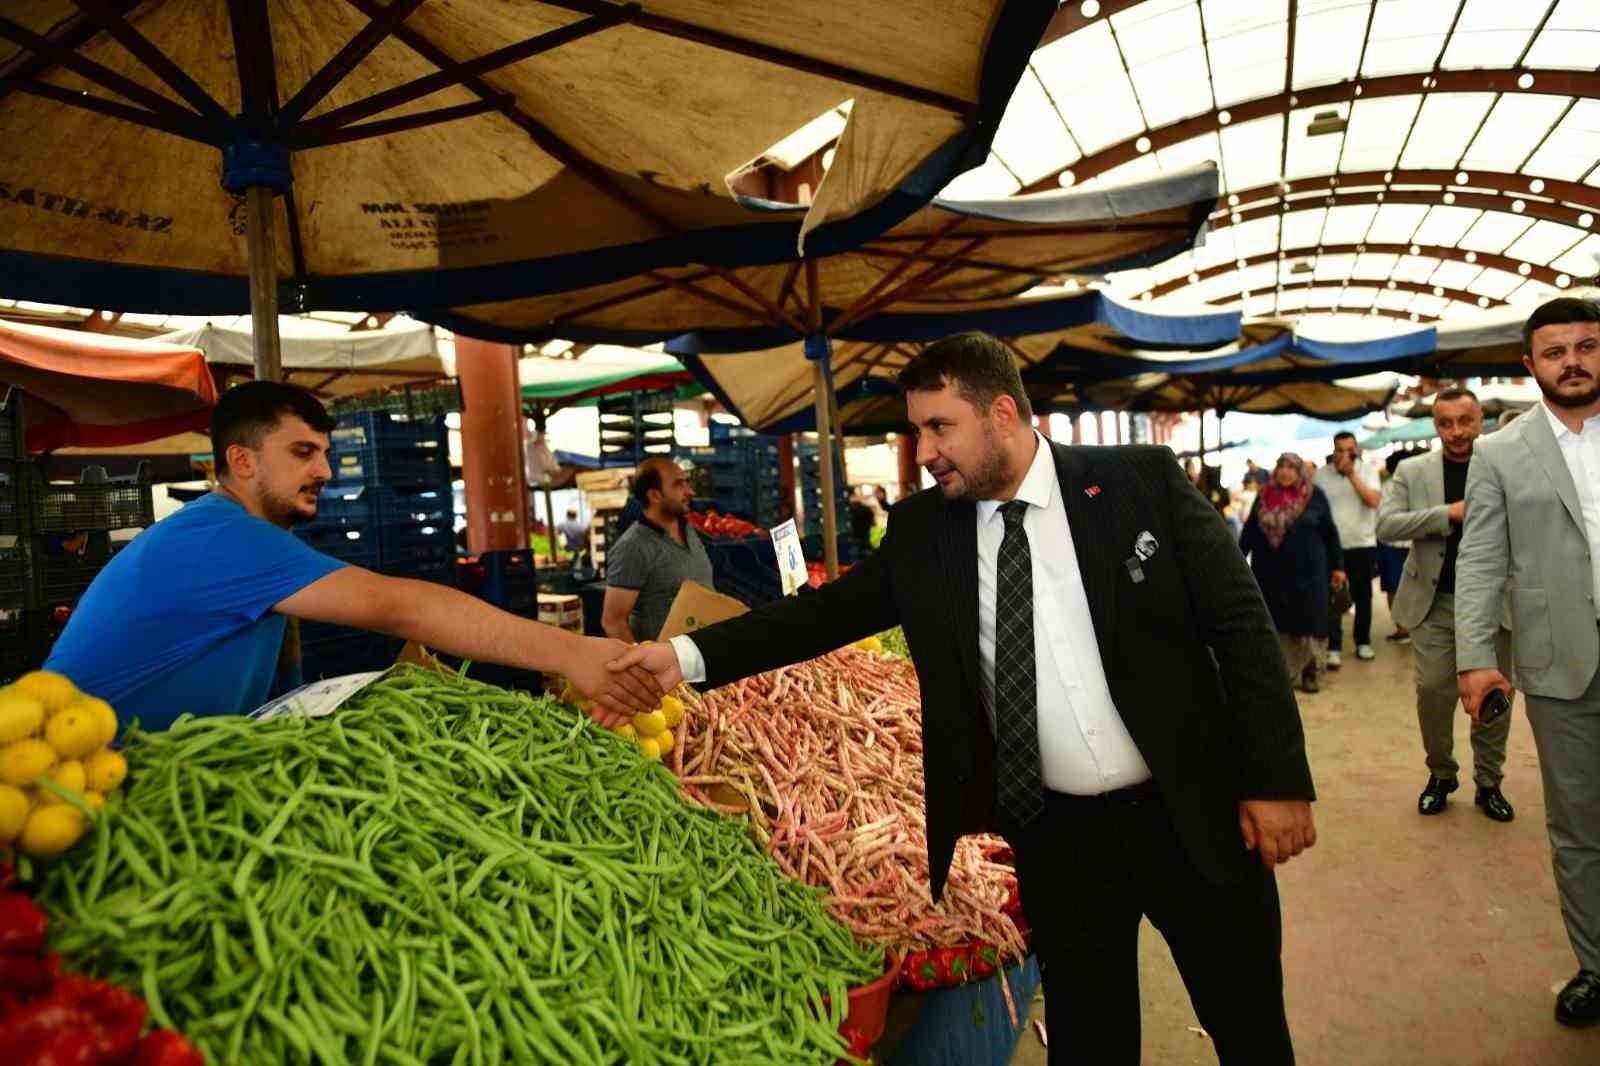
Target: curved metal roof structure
<point>1415,159</point>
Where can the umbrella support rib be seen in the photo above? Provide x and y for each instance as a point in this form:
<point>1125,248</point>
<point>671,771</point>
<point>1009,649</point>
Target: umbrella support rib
<point>191,129</point>
<point>297,250</point>
<point>324,136</point>
<point>767,53</point>
<point>617,301</point>
<point>940,270</point>
<point>775,310</point>
<point>852,314</point>
<point>692,289</point>
<point>345,60</point>
<point>111,19</point>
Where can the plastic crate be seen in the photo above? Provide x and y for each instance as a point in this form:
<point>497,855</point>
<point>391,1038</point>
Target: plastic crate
<point>350,502</point>
<point>440,571</point>
<point>9,490</point>
<point>11,437</point>
<point>377,448</point>
<point>60,578</point>
<point>47,507</point>
<point>343,651</point>
<point>351,542</point>
<point>13,568</point>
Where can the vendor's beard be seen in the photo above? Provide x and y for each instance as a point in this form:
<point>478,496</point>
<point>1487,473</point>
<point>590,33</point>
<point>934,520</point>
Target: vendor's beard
<point>1567,399</point>
<point>284,513</point>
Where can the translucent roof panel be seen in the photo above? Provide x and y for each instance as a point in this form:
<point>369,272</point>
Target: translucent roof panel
<point>1409,95</point>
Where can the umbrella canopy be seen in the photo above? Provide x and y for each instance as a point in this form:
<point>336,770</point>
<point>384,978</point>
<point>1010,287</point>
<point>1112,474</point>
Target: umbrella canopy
<point>1413,429</point>
<point>772,390</point>
<point>949,252</point>
<point>97,391</point>
<point>330,361</point>
<point>561,382</point>
<point>1329,400</point>
<point>432,153</point>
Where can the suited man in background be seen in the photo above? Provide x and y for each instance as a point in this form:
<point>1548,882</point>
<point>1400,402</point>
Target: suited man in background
<point>1425,503</point>
<point>1101,682</point>
<point>1533,530</point>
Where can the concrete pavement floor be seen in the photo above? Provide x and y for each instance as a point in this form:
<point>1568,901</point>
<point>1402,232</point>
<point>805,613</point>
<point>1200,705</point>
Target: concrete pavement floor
<point>1408,941</point>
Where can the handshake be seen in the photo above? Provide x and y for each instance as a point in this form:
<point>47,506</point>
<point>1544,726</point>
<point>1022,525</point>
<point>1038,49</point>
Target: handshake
<point>622,679</point>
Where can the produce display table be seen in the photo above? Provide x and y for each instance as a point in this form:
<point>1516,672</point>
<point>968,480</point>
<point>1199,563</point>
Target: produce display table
<point>962,1026</point>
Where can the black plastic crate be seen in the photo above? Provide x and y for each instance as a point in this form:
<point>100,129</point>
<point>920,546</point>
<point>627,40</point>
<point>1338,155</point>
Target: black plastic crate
<point>440,570</point>
<point>12,445</point>
<point>59,578</point>
<point>376,448</point>
<point>351,542</point>
<point>9,495</point>
<point>353,503</point>
<point>13,569</point>
<point>48,507</point>
<point>352,652</point>
<point>413,545</point>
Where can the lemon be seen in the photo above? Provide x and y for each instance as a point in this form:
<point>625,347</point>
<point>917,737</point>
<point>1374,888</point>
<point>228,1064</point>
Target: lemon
<point>23,760</point>
<point>663,740</point>
<point>672,710</point>
<point>21,715</point>
<point>52,829</point>
<point>74,732</point>
<point>100,712</point>
<point>95,800</point>
<point>13,812</point>
<point>650,723</point>
<point>105,770</point>
<point>872,644</point>
<point>626,730</point>
<point>70,776</point>
<point>650,749</point>
<point>52,690</point>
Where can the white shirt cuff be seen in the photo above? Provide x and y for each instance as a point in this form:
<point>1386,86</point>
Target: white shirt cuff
<point>690,662</point>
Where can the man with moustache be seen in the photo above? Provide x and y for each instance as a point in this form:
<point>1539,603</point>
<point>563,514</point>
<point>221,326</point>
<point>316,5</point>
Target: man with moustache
<point>1425,502</point>
<point>1533,530</point>
<point>191,615</point>
<point>1101,682</point>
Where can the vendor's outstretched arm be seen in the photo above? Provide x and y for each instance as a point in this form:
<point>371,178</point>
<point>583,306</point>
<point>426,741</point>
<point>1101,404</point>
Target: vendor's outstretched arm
<point>451,621</point>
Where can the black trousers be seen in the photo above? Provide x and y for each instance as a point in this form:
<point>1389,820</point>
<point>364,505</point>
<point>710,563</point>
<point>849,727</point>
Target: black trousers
<point>1087,878</point>
<point>1360,565</point>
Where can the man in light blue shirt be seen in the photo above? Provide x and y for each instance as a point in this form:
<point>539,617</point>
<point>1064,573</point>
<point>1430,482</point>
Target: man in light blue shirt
<point>190,616</point>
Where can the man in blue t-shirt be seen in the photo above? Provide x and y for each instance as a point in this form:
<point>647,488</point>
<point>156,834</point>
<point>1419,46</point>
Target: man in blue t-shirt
<point>190,616</point>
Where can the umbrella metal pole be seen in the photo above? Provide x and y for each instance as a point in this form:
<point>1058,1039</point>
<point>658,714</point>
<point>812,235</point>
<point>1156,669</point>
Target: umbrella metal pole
<point>830,515</point>
<point>263,284</point>
<point>550,509</point>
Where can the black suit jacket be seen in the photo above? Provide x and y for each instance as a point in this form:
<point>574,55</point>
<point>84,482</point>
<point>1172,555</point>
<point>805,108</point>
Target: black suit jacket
<point>1193,661</point>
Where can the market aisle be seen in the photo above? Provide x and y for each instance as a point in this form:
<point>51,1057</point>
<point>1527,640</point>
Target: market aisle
<point>1408,941</point>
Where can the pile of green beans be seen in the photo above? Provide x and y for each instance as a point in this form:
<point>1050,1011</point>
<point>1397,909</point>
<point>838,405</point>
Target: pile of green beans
<point>445,872</point>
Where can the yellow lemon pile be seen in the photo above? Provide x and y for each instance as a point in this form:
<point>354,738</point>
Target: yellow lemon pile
<point>48,729</point>
<point>652,729</point>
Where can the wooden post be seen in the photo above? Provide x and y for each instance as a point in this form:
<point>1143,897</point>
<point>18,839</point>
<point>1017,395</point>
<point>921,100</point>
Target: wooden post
<point>263,283</point>
<point>830,516</point>
<point>906,453</point>
<point>492,458</point>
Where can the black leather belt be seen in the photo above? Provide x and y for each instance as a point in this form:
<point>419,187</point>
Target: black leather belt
<point>1120,799</point>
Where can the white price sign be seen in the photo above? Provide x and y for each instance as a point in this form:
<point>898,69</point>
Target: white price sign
<point>791,560</point>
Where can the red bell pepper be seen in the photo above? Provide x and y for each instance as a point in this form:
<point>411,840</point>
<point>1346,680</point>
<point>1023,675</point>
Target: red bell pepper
<point>985,959</point>
<point>920,971</point>
<point>166,1047</point>
<point>952,964</point>
<point>22,925</point>
<point>49,1034</point>
<point>118,1014</point>
<point>859,1045</point>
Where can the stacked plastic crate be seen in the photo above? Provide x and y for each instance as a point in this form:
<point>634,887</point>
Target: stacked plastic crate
<point>388,508</point>
<point>742,476</point>
<point>635,425</point>
<point>809,459</point>
<point>54,539</point>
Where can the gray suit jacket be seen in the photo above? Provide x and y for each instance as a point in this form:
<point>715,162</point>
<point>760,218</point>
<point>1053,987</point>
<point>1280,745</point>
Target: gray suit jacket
<point>1413,509</point>
<point>1524,536</point>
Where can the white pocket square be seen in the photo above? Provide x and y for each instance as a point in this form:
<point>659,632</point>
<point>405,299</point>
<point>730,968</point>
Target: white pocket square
<point>1145,545</point>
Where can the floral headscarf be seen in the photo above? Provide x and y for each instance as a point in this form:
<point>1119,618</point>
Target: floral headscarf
<point>1281,507</point>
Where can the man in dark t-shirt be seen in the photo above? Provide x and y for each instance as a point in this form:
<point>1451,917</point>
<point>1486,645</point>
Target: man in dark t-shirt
<point>1424,502</point>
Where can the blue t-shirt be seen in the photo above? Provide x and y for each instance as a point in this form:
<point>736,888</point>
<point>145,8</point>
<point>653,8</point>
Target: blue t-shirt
<point>182,620</point>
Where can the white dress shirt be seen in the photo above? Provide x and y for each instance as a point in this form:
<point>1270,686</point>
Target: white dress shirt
<point>1582,453</point>
<point>1084,747</point>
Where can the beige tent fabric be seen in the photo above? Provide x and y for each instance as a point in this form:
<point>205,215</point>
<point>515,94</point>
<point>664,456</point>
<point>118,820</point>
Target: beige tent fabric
<point>657,123</point>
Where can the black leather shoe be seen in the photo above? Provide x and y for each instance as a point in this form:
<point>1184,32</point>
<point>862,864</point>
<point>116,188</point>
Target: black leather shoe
<point>1494,804</point>
<point>1578,1005</point>
<point>1308,683</point>
<point>1435,796</point>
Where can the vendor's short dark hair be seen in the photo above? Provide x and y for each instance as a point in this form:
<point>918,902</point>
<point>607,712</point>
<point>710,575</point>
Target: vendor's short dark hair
<point>1343,434</point>
<point>1558,312</point>
<point>980,366</point>
<point>1455,393</point>
<point>247,413</point>
<point>649,477</point>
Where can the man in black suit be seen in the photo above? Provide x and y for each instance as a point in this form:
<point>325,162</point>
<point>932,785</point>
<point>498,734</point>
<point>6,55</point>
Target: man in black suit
<point>1101,682</point>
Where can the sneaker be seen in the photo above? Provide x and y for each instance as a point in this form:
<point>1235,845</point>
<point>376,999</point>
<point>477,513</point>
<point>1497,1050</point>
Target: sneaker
<point>1334,660</point>
<point>1399,636</point>
<point>1365,653</point>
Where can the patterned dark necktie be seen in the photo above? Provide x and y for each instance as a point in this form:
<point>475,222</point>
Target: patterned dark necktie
<point>1019,790</point>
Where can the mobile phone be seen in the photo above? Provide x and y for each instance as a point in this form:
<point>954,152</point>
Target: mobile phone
<point>1495,704</point>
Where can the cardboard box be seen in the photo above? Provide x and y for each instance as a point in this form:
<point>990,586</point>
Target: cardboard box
<point>615,477</point>
<point>697,607</point>
<point>606,499</point>
<point>561,611</point>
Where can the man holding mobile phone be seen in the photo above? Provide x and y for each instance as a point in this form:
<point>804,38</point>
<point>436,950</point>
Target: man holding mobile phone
<point>1424,503</point>
<point>1533,529</point>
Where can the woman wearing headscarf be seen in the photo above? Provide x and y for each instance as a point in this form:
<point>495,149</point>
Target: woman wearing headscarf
<point>1293,547</point>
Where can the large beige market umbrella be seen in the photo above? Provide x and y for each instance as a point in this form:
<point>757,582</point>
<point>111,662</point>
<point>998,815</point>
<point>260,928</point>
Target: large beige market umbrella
<point>206,156</point>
